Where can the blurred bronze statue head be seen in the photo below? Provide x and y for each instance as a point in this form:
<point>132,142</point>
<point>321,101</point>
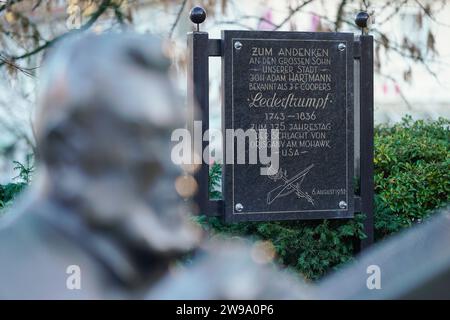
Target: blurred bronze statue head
<point>107,110</point>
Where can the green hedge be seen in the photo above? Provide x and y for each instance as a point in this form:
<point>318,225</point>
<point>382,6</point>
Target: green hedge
<point>412,172</point>
<point>412,178</point>
<point>8,192</point>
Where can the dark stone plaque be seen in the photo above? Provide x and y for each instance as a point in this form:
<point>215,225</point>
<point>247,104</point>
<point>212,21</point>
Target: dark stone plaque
<point>302,85</point>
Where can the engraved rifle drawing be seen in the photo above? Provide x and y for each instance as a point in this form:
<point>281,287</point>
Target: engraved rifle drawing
<point>289,186</point>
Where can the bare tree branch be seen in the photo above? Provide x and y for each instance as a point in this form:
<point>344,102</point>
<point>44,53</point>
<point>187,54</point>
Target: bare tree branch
<point>400,91</point>
<point>340,13</point>
<point>37,4</point>
<point>8,4</point>
<point>292,13</point>
<point>26,71</point>
<point>183,4</point>
<point>428,13</point>
<point>94,17</point>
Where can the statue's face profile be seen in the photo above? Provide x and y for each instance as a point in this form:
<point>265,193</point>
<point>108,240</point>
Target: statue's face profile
<point>107,113</point>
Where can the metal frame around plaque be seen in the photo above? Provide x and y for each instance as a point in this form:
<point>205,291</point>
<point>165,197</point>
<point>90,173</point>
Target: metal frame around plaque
<point>201,48</point>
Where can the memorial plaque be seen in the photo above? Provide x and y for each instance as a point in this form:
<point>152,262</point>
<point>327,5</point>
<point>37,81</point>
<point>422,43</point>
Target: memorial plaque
<point>302,85</point>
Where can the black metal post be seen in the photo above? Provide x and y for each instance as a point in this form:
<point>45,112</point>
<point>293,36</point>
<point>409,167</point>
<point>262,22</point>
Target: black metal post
<point>367,123</point>
<point>198,108</point>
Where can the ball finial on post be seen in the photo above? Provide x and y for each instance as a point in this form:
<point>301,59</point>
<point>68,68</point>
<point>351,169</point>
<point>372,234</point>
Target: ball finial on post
<point>197,16</point>
<point>362,20</point>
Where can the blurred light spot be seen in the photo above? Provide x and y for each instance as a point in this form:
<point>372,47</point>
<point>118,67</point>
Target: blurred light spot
<point>263,252</point>
<point>186,186</point>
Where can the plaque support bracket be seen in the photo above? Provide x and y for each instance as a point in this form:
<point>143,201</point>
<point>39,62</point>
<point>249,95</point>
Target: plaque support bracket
<point>200,48</point>
<point>215,47</point>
